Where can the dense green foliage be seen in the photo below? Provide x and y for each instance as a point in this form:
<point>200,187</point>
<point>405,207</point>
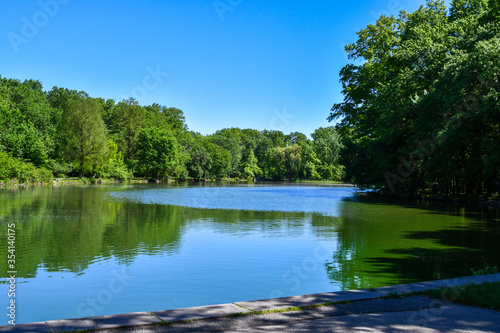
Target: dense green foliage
<point>65,132</point>
<point>157,152</point>
<point>421,114</point>
<point>421,109</point>
<point>24,172</point>
<point>83,132</point>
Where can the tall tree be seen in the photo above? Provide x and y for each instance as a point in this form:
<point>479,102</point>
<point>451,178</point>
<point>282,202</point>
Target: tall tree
<point>128,120</point>
<point>277,137</point>
<point>165,117</point>
<point>28,124</point>
<point>157,152</point>
<point>250,167</point>
<point>296,137</point>
<point>221,160</point>
<point>419,110</point>
<point>200,162</point>
<point>328,143</point>
<point>84,132</point>
<point>232,146</point>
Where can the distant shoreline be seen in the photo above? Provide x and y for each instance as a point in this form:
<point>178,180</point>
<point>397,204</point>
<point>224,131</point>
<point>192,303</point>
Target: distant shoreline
<point>93,181</point>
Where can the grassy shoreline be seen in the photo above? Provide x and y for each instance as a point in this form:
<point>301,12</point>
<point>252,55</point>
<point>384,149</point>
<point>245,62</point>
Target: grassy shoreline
<point>486,295</point>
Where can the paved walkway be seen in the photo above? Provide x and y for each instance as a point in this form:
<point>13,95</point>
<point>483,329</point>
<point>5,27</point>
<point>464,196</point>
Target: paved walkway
<point>353,311</point>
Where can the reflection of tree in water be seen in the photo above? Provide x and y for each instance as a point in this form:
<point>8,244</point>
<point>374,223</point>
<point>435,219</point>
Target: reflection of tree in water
<point>473,246</point>
<point>68,228</point>
<point>387,244</point>
<point>348,267</point>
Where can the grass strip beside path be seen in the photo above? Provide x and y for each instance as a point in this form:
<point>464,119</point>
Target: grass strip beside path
<point>485,295</point>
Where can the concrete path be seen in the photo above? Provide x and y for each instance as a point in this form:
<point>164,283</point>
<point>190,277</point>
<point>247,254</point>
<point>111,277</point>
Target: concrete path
<point>396,315</point>
<point>353,311</point>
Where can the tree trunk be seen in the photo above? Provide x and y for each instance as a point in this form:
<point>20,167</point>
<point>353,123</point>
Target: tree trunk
<point>82,161</point>
<point>489,187</point>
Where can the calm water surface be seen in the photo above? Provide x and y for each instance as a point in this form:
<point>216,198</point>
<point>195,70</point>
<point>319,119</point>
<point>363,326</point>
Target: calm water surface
<point>97,250</point>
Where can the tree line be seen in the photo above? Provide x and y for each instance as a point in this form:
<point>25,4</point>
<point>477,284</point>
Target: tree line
<point>420,115</point>
<point>61,132</point>
<point>421,107</point>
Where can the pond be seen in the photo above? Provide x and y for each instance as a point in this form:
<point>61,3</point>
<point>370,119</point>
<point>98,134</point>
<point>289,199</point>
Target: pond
<point>99,250</point>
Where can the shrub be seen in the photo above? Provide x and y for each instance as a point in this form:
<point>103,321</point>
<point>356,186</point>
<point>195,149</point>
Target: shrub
<point>24,172</point>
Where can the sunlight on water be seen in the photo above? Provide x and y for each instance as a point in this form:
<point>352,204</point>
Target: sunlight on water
<point>322,200</point>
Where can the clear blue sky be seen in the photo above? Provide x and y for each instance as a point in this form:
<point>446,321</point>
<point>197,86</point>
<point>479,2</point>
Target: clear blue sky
<point>262,64</point>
